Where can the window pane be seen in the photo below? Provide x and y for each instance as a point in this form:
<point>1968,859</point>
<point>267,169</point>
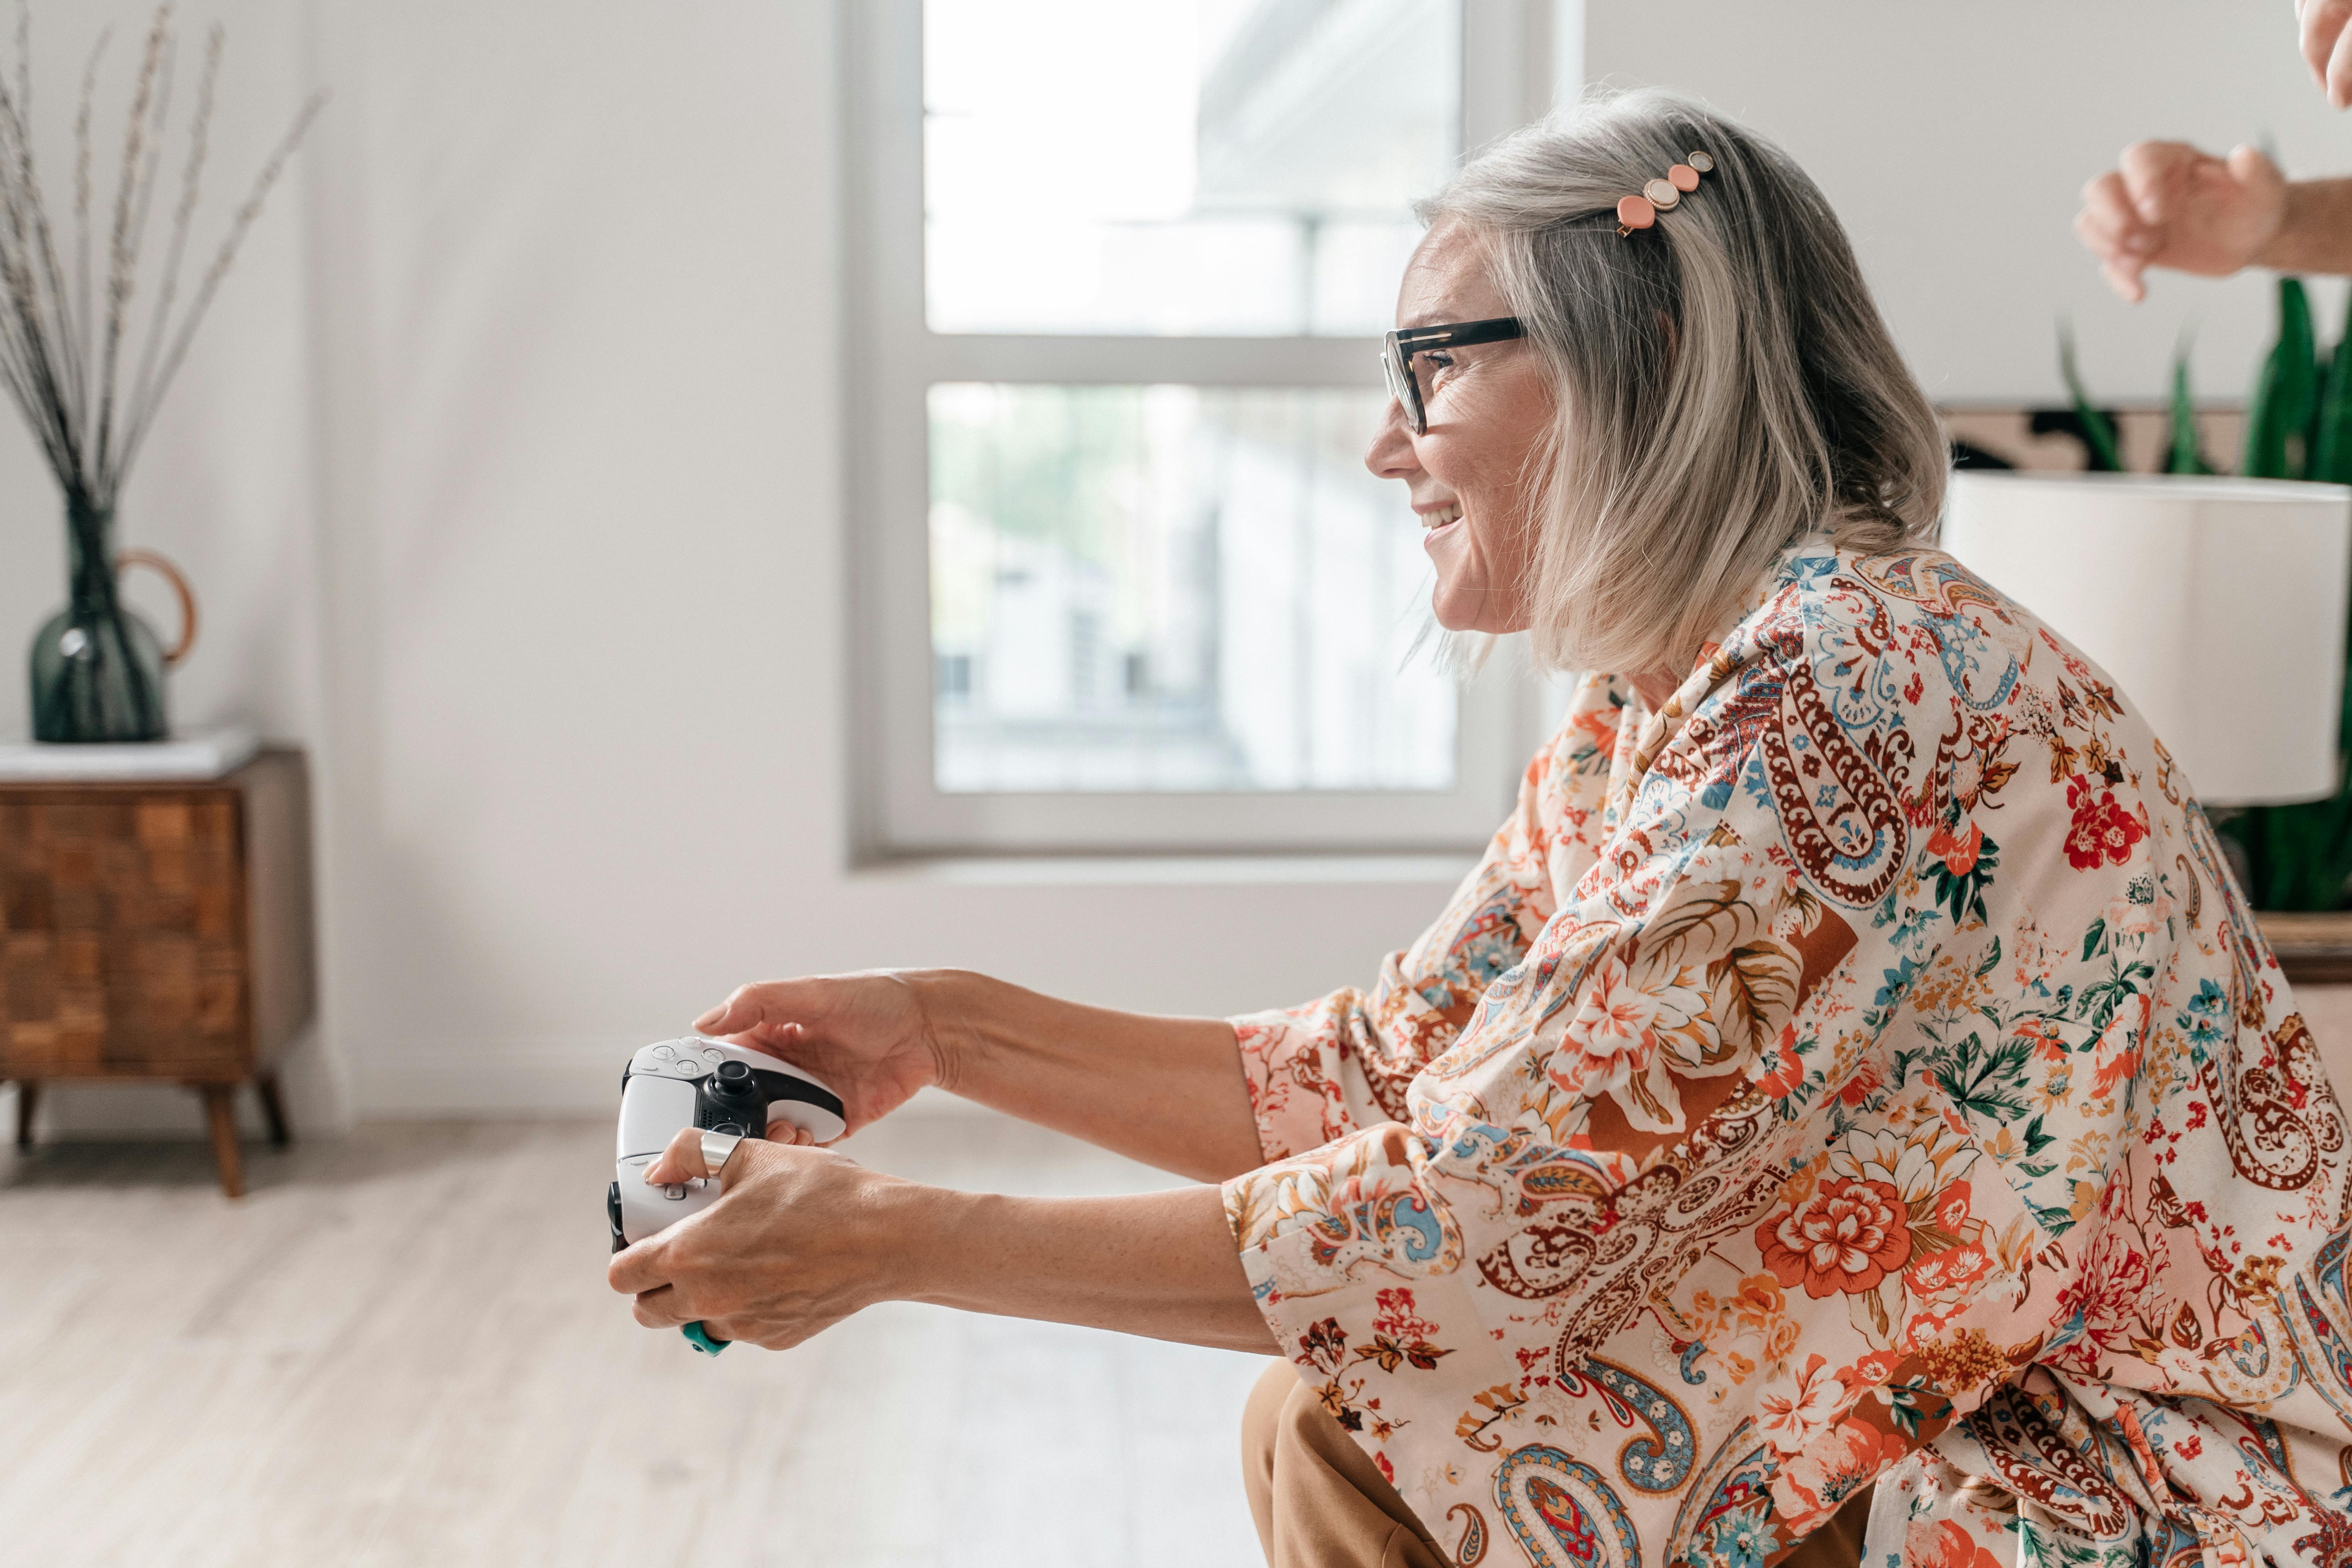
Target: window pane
<point>1193,167</point>
<point>1175,588</point>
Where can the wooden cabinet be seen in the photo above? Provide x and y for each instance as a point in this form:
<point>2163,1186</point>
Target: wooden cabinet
<point>158,931</point>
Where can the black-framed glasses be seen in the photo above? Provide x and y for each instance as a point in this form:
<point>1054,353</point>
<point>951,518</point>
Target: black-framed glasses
<point>1396,358</point>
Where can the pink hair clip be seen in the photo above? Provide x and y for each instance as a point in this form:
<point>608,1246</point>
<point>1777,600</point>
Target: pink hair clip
<point>1661,196</point>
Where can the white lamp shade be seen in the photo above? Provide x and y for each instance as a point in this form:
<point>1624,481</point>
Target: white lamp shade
<point>2217,604</point>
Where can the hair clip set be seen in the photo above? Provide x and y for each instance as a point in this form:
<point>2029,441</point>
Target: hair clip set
<point>1661,196</point>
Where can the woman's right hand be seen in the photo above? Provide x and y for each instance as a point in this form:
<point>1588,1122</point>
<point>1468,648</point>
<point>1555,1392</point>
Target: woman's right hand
<point>866,1035</point>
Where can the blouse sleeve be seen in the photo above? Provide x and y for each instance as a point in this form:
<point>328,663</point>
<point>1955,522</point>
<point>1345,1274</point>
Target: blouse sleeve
<point>1321,1070</point>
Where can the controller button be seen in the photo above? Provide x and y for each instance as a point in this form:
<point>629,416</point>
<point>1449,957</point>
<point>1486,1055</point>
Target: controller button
<point>675,1192</point>
<point>688,1067</point>
<point>713,1057</point>
<point>663,1052</point>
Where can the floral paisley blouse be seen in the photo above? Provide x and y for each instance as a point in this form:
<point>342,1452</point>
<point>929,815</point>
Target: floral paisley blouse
<point>1861,1069</point>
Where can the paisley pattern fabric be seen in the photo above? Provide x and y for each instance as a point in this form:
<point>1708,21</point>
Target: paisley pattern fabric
<point>1862,1068</point>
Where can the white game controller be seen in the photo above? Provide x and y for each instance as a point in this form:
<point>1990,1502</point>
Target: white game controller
<point>690,1083</point>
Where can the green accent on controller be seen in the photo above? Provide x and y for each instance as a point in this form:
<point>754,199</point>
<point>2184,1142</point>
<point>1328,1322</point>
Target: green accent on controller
<point>699,1337</point>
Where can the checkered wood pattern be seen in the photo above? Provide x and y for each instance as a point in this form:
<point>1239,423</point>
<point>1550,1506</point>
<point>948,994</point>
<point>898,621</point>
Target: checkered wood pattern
<point>123,933</point>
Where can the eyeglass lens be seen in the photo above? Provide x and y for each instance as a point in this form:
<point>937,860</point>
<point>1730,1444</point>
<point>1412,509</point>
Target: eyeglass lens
<point>1397,367</point>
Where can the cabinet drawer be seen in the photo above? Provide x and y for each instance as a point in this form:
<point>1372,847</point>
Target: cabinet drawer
<point>123,933</point>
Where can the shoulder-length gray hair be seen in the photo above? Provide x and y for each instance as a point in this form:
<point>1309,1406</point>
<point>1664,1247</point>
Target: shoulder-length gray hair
<point>1725,383</point>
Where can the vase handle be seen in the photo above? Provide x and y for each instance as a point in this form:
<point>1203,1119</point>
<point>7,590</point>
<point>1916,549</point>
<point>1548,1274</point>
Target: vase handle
<point>187,597</point>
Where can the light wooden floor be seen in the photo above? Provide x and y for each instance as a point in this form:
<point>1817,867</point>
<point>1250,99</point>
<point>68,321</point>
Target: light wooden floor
<point>400,1350</point>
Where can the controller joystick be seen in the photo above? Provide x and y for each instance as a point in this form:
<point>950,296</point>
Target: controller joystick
<point>730,1101</point>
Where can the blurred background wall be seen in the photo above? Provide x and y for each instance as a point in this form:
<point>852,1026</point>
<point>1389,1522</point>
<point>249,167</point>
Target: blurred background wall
<point>508,470</point>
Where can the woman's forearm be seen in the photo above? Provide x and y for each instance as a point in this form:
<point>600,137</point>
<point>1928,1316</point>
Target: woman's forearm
<point>2314,233</point>
<point>1167,1091</point>
<point>1157,1264</point>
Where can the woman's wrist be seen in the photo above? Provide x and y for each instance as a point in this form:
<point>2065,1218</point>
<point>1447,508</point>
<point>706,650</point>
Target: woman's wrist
<point>1162,1264</point>
<point>951,1002</point>
<point>917,1233</point>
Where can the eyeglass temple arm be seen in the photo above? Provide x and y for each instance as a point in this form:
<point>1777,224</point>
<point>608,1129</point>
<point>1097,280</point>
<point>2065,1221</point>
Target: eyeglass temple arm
<point>1463,332</point>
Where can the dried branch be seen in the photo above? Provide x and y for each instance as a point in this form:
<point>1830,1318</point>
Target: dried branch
<point>89,412</point>
<point>122,254</point>
<point>82,220</point>
<point>183,217</point>
<point>219,270</point>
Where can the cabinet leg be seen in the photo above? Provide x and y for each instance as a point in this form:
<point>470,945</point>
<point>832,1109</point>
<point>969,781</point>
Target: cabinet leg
<point>28,1100</point>
<point>273,1109</point>
<point>220,1108</point>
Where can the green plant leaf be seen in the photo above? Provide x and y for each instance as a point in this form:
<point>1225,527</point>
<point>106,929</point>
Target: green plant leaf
<point>2331,451</point>
<point>2106,457</point>
<point>2186,455</point>
<point>2286,394</point>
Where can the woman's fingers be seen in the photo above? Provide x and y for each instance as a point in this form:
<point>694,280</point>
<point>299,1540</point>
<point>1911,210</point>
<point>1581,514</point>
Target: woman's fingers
<point>760,1013</point>
<point>639,1269</point>
<point>681,1161</point>
<point>739,1012</point>
<point>657,1309</point>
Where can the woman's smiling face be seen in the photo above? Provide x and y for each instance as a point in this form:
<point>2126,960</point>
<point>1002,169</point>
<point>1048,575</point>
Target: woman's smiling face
<point>1473,476</point>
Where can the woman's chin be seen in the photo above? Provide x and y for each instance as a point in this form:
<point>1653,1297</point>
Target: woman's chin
<point>1458,612</point>
<point>1460,607</point>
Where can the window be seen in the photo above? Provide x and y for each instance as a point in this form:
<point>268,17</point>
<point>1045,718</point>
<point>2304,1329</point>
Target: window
<point>1117,278</point>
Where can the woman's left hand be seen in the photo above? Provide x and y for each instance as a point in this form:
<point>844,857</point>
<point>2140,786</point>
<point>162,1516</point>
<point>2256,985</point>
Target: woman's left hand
<point>786,1252</point>
<point>801,1238</point>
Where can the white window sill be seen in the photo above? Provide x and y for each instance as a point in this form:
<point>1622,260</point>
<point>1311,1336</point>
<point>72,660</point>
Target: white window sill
<point>1436,871</point>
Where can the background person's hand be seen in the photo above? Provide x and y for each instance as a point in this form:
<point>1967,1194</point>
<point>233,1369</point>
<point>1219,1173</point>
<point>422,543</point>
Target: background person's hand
<point>866,1035</point>
<point>2328,46</point>
<point>786,1252</point>
<point>2168,205</point>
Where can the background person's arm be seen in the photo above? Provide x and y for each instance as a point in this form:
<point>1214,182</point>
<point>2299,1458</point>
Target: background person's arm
<point>2168,205</point>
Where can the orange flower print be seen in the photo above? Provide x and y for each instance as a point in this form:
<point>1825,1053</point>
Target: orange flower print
<point>1784,1070</point>
<point>2049,1045</point>
<point>1611,1033</point>
<point>1947,1273</point>
<point>1959,852</point>
<point>1809,1485</point>
<point>1846,1238</point>
<point>1622,1041</point>
<point>2102,829</point>
<point>1794,1410</point>
<point>1944,1543</point>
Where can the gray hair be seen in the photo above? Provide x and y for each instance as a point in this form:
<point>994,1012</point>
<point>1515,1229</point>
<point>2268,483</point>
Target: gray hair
<point>1725,383</point>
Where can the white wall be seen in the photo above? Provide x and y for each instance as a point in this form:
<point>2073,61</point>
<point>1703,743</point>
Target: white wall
<point>560,609</point>
<point>1954,141</point>
<point>507,469</point>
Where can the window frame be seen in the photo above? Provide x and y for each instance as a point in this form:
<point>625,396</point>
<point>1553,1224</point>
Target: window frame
<point>892,360</point>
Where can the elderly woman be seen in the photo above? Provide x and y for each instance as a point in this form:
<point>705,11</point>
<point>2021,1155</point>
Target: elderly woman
<point>1851,1063</point>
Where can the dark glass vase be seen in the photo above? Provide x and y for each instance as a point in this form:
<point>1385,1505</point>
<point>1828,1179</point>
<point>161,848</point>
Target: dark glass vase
<point>98,668</point>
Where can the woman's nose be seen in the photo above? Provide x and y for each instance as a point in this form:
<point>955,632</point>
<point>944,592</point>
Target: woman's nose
<point>1391,456</point>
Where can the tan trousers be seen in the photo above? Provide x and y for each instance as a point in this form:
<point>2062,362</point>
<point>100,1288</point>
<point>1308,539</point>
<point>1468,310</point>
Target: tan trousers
<point>1321,1503</point>
<point>1319,1500</point>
